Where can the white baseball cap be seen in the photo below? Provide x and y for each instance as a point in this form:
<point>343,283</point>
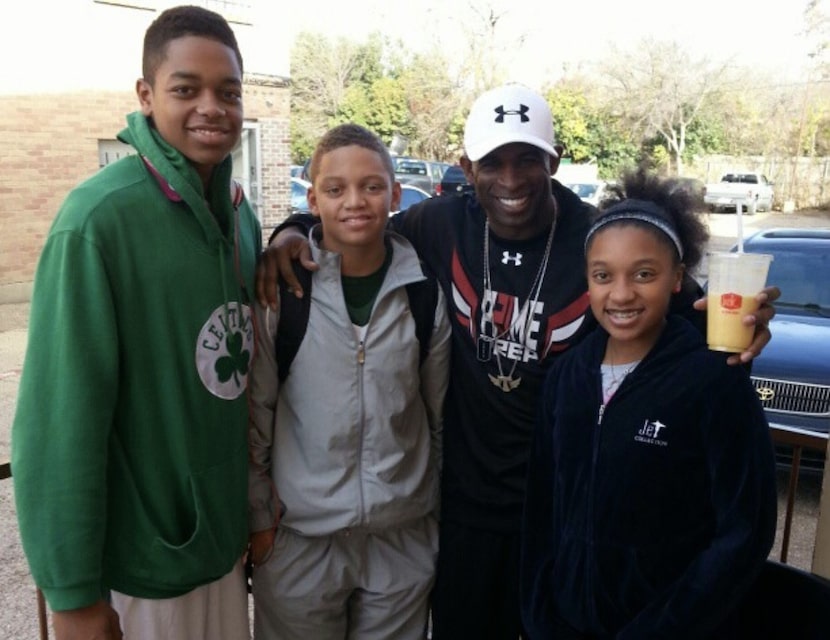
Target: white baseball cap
<point>510,113</point>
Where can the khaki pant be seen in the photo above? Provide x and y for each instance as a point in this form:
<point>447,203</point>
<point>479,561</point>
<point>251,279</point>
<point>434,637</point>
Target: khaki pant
<point>353,585</point>
<point>215,611</point>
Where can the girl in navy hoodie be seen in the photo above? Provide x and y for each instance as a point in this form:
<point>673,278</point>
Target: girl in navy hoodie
<point>651,498</point>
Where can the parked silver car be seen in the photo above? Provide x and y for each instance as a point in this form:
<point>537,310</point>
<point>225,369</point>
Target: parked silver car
<point>592,191</point>
<point>424,174</point>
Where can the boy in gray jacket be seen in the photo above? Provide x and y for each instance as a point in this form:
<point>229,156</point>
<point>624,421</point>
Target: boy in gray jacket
<point>348,444</point>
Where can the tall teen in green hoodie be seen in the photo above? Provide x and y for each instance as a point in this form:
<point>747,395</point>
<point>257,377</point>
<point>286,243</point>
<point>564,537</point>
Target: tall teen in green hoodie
<point>129,444</point>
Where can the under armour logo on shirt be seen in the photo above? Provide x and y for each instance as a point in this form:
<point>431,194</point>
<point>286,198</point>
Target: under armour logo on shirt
<point>521,112</point>
<point>506,258</point>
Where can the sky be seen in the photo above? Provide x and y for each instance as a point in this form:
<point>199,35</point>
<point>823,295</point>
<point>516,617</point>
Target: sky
<point>536,39</point>
<point>539,39</point>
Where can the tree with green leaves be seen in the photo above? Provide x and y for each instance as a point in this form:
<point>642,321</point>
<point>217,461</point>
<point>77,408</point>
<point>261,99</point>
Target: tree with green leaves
<point>589,130</point>
<point>662,90</point>
<point>654,102</point>
<point>323,72</point>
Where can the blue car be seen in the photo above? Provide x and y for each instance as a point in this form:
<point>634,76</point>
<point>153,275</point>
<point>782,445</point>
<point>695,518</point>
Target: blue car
<point>299,191</point>
<point>792,374</point>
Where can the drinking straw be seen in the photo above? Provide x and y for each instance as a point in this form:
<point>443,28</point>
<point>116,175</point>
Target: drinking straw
<point>740,212</point>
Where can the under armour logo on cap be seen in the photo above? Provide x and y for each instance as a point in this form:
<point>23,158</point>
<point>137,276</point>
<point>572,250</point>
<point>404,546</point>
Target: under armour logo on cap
<point>521,112</point>
<point>521,115</point>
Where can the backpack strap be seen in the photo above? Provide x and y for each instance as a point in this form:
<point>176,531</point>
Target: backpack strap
<point>423,298</point>
<point>293,321</point>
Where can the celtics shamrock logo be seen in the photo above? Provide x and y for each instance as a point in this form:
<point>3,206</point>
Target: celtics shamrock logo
<point>223,350</point>
<point>236,362</point>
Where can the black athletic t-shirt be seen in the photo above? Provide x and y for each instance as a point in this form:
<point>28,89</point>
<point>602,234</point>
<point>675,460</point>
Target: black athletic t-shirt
<point>488,430</point>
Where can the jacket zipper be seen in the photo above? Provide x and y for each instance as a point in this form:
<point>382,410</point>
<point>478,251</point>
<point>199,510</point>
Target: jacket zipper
<point>590,574</point>
<point>361,359</point>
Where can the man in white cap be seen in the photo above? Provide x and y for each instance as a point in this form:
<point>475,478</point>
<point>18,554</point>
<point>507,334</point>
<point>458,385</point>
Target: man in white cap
<point>510,261</point>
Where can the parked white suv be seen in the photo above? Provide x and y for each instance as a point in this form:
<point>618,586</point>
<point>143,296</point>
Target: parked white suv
<point>740,188</point>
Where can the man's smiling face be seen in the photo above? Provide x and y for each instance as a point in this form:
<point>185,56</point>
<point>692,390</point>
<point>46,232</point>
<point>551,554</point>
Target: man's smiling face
<point>513,186</point>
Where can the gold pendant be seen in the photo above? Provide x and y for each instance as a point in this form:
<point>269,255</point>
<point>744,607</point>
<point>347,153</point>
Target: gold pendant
<point>505,383</point>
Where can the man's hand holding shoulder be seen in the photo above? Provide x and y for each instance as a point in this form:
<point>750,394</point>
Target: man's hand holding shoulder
<point>287,246</point>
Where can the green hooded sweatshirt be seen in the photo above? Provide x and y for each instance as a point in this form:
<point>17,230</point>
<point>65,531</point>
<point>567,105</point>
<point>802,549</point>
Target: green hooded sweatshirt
<point>129,447</point>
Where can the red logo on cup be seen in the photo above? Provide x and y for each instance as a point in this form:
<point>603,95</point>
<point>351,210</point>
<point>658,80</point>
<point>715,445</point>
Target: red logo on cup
<point>731,301</point>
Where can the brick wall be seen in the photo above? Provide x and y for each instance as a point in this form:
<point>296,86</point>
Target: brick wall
<point>270,108</point>
<point>51,144</point>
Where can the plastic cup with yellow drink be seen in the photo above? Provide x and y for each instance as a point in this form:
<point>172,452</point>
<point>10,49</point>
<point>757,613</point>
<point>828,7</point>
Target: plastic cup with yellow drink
<point>735,278</point>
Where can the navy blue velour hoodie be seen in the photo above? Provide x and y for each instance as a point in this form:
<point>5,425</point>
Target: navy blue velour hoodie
<point>651,516</point>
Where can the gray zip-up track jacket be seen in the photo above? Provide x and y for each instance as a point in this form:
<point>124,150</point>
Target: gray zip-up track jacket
<point>352,438</point>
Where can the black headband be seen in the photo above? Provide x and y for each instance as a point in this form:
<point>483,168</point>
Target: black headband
<point>642,210</point>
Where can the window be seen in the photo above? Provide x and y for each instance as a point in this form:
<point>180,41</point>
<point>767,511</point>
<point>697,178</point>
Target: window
<point>111,150</point>
<point>246,165</point>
